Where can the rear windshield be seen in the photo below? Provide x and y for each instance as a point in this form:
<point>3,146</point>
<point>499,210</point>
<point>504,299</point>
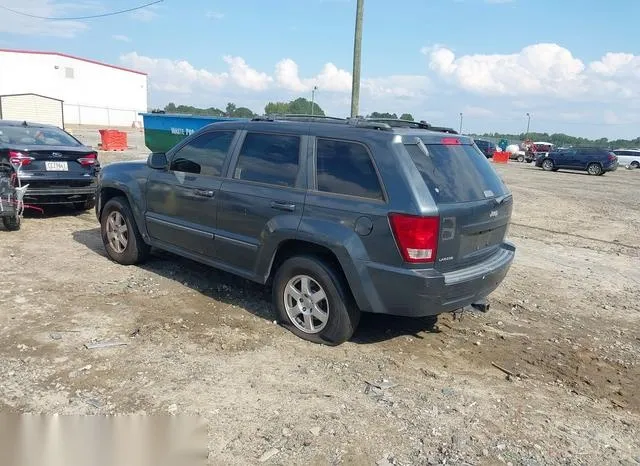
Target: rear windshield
<point>456,173</point>
<point>32,136</point>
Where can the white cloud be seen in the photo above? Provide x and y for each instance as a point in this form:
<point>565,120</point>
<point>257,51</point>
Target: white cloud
<point>214,15</point>
<point>18,24</point>
<point>175,76</point>
<point>536,69</point>
<point>245,76</point>
<point>330,79</point>
<point>546,70</point>
<point>121,38</point>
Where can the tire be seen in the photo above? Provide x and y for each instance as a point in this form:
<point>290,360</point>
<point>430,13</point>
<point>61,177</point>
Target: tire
<point>123,245</point>
<point>520,158</point>
<point>594,169</point>
<point>12,223</point>
<point>341,316</point>
<point>547,165</point>
<point>85,205</point>
<point>635,164</point>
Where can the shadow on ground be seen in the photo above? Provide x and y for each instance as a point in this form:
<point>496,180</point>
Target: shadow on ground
<point>253,297</point>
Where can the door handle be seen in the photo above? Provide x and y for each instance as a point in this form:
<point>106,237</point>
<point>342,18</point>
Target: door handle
<point>279,205</point>
<point>203,193</point>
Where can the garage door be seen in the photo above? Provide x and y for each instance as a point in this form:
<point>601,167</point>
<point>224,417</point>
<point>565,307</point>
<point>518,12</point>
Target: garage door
<point>33,108</point>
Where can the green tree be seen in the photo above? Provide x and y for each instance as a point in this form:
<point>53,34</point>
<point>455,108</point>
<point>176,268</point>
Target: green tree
<point>276,107</point>
<point>406,116</point>
<point>299,106</point>
<point>243,112</point>
<point>383,115</point>
<point>231,109</point>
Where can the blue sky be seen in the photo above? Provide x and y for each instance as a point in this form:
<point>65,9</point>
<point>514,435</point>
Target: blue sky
<point>573,64</point>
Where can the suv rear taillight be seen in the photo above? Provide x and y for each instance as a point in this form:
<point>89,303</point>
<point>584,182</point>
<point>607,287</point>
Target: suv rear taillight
<point>88,160</point>
<point>417,237</point>
<point>612,156</point>
<point>18,159</point>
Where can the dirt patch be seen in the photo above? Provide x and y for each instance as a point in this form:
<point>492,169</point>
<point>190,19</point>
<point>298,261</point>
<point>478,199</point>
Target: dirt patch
<point>563,331</point>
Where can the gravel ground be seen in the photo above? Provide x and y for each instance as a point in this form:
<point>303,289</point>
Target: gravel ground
<point>548,376</point>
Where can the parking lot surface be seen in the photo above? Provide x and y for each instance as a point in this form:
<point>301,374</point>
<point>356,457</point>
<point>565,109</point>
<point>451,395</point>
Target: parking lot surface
<point>549,375</point>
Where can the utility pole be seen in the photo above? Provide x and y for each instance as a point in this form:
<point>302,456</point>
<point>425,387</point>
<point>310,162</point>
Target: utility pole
<point>528,125</point>
<point>460,123</point>
<point>357,55</point>
<point>313,98</point>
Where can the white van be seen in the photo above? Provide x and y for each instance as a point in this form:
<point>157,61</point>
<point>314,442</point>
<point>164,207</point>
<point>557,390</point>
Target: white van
<point>628,157</point>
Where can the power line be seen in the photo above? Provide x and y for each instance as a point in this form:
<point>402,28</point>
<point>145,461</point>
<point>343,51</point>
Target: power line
<point>76,18</point>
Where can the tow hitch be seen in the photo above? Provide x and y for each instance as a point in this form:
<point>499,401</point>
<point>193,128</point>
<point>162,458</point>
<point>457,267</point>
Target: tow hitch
<point>482,305</point>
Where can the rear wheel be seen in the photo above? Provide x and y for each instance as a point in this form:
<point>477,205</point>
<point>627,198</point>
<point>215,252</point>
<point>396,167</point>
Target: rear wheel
<point>594,169</point>
<point>548,165</point>
<point>635,164</point>
<point>120,234</point>
<point>12,223</point>
<point>521,158</point>
<point>313,302</point>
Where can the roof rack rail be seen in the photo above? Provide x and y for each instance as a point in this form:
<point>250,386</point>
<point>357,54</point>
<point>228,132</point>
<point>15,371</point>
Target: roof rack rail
<point>397,123</point>
<point>297,117</point>
<point>365,123</point>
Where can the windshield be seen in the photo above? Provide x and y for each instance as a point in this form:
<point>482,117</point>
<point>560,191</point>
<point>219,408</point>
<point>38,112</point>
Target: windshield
<point>33,136</point>
<point>456,173</point>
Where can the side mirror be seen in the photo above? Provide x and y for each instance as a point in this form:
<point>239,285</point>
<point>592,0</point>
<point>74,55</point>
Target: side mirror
<point>157,160</point>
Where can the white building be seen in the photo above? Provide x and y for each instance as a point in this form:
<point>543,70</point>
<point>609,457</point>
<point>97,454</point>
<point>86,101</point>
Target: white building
<point>51,87</point>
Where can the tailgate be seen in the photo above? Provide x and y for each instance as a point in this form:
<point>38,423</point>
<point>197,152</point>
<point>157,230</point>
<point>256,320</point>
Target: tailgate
<point>473,203</point>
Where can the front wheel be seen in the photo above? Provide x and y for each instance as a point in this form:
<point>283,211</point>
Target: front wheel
<point>521,158</point>
<point>594,169</point>
<point>547,165</point>
<point>313,302</point>
<point>635,164</point>
<point>120,234</point>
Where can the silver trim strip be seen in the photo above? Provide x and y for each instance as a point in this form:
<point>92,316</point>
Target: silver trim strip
<point>237,241</point>
<point>181,227</point>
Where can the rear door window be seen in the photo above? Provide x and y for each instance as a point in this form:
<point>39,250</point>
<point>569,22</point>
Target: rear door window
<point>346,168</point>
<point>455,173</point>
<point>269,158</point>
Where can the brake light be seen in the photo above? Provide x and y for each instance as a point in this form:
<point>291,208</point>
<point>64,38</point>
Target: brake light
<point>18,159</point>
<point>88,160</point>
<point>450,141</point>
<point>417,237</point>
<point>612,156</point>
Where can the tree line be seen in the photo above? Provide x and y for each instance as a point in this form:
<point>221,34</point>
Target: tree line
<point>302,106</point>
<point>299,106</point>
<point>561,139</point>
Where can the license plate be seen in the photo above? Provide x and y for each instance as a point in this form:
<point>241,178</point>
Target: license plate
<point>56,166</point>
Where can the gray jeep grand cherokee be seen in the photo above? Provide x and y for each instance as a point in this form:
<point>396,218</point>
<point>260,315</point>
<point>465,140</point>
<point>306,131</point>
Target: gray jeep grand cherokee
<point>339,216</point>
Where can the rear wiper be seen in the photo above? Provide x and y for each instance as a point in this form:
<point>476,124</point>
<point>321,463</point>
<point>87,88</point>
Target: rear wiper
<point>499,200</point>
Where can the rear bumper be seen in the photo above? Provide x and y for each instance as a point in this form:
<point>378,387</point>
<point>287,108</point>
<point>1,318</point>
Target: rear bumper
<point>59,194</point>
<point>417,293</point>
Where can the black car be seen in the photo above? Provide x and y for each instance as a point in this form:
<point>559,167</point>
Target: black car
<point>593,160</point>
<point>486,147</point>
<point>58,168</point>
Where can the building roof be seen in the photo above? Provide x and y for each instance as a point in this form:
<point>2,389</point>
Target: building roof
<point>59,54</point>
